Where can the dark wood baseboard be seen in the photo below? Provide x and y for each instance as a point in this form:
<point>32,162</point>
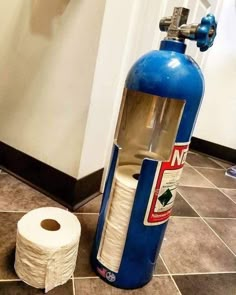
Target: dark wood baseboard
<point>213,149</point>
<point>58,185</point>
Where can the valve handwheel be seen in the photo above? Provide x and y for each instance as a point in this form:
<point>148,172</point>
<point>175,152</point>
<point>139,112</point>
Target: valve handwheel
<point>206,32</point>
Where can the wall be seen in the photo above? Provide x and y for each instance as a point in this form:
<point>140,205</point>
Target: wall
<point>122,42</point>
<point>217,118</point>
<point>48,52</point>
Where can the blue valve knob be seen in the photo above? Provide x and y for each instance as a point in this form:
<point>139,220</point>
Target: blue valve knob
<point>206,32</point>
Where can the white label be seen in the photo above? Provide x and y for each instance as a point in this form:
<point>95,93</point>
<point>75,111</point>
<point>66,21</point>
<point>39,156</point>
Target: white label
<point>164,187</point>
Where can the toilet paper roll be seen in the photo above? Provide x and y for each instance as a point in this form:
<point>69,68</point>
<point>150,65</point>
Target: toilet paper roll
<point>127,176</point>
<point>46,247</point>
<point>118,216</point>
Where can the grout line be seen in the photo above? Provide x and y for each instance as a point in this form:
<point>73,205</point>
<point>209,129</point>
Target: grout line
<point>220,218</point>
<point>170,274</point>
<point>230,189</point>
<point>18,211</point>
<point>206,217</point>
<point>215,187</point>
<point>87,213</point>
<point>219,189</point>
<point>218,236</point>
<point>162,275</point>
<point>191,217</point>
<point>211,168</point>
<point>73,284</point>
<point>208,225</point>
<point>214,160</point>
<point>203,273</point>
<point>84,278</point>
<point>165,264</point>
<point>190,205</point>
<point>205,177</point>
<point>196,186</point>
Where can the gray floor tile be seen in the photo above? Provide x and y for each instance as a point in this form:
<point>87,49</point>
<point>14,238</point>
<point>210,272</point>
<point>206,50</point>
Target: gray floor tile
<point>8,223</point>
<point>92,206</point>
<point>212,284</point>
<point>182,208</point>
<point>191,178</point>
<point>160,267</point>
<point>198,160</point>
<point>218,177</point>
<point>159,286</point>
<point>226,229</point>
<point>88,228</point>
<point>209,202</point>
<point>190,246</point>
<point>230,193</point>
<point>18,196</point>
<point>20,288</point>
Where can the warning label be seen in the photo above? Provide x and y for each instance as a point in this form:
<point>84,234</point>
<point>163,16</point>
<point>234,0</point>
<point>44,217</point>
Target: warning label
<point>164,186</point>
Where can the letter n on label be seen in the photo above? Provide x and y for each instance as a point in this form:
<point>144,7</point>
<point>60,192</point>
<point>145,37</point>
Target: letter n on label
<point>179,157</point>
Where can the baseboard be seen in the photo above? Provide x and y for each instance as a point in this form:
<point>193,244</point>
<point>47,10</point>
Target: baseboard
<point>213,149</point>
<point>58,185</point>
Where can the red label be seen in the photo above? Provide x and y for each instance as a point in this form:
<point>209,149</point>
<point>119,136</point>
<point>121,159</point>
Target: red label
<point>166,179</point>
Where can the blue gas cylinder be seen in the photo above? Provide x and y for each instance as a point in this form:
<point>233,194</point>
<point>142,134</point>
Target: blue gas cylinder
<point>169,84</point>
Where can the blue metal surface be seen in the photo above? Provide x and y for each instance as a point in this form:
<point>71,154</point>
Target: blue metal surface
<point>172,74</point>
<point>206,32</point>
<point>167,73</point>
<point>105,200</point>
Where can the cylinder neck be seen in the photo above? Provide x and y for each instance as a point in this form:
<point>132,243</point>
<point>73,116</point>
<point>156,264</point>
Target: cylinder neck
<point>173,45</point>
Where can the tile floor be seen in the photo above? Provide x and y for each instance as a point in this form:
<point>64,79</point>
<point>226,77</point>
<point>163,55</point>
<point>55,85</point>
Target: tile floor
<point>198,252</point>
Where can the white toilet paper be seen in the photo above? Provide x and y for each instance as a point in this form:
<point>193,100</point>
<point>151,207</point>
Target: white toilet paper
<point>118,216</point>
<point>127,176</point>
<point>46,247</point>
